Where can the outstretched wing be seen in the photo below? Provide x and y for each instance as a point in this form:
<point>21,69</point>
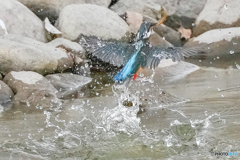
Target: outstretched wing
<point>111,51</point>
<point>156,54</point>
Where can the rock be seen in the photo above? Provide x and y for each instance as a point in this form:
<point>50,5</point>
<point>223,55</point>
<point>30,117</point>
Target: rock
<point>6,95</point>
<point>75,49</point>
<point>21,21</point>
<point>218,14</point>
<point>149,8</point>
<point>185,33</point>
<point>31,89</point>
<point>90,19</point>
<point>134,20</point>
<point>223,47</point>
<point>20,53</point>
<point>67,84</point>
<point>3,29</point>
<point>51,9</point>
<point>52,32</point>
<point>156,40</point>
<point>169,34</point>
<point>182,12</point>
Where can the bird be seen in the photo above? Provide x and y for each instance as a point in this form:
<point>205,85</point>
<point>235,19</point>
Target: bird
<point>134,56</point>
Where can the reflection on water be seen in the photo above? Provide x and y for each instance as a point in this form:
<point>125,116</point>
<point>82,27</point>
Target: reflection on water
<point>168,117</point>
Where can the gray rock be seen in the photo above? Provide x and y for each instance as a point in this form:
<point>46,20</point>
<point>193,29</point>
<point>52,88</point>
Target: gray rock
<point>156,40</point>
<point>169,34</point>
<point>21,21</point>
<point>134,20</point>
<point>31,89</point>
<point>51,9</point>
<point>183,8</point>
<point>73,48</point>
<point>67,84</point>
<point>182,13</point>
<point>221,46</point>
<point>149,8</point>
<point>90,19</point>
<point>20,53</point>
<point>6,95</point>
<point>218,14</point>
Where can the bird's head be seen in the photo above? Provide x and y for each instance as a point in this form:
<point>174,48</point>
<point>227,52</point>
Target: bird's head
<point>145,30</point>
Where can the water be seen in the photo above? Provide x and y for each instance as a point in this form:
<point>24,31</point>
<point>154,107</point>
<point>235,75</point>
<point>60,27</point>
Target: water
<point>166,116</point>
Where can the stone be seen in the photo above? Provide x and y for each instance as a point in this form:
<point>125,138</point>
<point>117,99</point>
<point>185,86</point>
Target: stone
<point>90,19</point>
<point>149,8</point>
<point>221,47</point>
<point>52,8</point>
<point>182,12</point>
<point>6,95</point>
<point>19,53</point>
<point>156,40</point>
<point>169,34</point>
<point>31,89</point>
<point>3,29</point>
<point>75,49</point>
<point>217,14</point>
<point>67,84</point>
<point>19,20</point>
<point>52,32</point>
<point>134,20</point>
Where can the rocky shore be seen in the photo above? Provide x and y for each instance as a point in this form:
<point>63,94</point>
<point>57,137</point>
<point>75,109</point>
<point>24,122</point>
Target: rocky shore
<point>39,49</point>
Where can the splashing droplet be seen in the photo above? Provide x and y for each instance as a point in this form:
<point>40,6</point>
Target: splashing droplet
<point>231,52</point>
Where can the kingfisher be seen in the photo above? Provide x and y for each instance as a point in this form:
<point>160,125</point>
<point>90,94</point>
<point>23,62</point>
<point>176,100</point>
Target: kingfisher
<point>134,56</point>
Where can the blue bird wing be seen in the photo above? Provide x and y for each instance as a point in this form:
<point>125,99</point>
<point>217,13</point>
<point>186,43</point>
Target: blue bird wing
<point>155,54</point>
<point>111,51</point>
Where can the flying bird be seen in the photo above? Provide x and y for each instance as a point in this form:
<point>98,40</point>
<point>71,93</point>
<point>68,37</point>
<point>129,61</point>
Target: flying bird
<point>137,55</point>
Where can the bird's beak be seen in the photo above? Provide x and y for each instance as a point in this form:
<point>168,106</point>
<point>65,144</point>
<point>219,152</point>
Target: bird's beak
<point>163,16</point>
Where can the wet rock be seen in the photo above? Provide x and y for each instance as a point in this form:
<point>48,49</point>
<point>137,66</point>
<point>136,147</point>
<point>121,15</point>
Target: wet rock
<point>20,53</point>
<point>90,19</point>
<point>222,47</point>
<point>156,40</point>
<point>169,34</point>
<point>51,9</point>
<point>6,95</point>
<point>149,8</point>
<point>218,14</point>
<point>68,84</point>
<point>75,49</point>
<point>21,21</point>
<point>31,89</point>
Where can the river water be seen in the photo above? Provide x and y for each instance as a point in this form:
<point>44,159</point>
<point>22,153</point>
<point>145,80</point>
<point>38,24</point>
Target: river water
<point>181,112</point>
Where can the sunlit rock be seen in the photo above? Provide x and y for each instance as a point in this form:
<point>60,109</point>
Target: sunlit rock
<point>75,49</point>
<point>31,89</point>
<point>52,8</point>
<point>20,53</point>
<point>21,21</point>
<point>90,19</point>
<point>218,14</point>
<point>221,47</point>
<point>67,84</point>
<point>6,95</point>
